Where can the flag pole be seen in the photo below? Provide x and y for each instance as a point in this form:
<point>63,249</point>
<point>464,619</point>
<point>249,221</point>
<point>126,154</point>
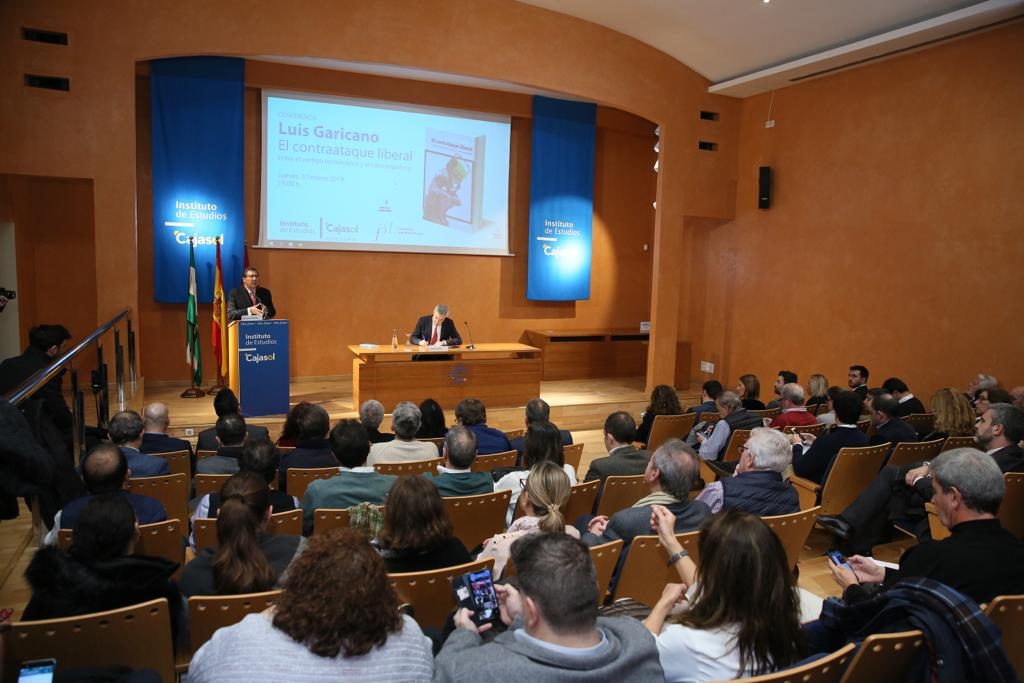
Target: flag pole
<point>192,356</point>
<point>219,327</point>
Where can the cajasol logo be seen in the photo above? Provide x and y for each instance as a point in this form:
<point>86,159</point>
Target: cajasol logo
<point>200,240</point>
<point>258,358</point>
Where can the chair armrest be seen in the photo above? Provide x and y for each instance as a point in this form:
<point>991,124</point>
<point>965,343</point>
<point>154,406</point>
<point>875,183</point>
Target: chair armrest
<point>807,490</point>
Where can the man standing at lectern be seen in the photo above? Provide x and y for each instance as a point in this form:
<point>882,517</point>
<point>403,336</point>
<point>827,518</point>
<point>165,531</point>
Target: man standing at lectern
<point>436,329</point>
<point>250,298</point>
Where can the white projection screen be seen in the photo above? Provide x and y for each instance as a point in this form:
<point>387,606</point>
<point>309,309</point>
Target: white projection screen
<point>352,174</point>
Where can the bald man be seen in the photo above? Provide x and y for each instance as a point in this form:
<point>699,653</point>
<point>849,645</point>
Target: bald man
<point>156,418</point>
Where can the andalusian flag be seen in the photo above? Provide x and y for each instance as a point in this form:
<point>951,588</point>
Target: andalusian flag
<point>220,320</point>
<point>191,323</point>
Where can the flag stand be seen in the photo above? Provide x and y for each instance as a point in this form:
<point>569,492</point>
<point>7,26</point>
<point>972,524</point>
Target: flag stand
<point>193,392</point>
<point>192,328</point>
<point>216,387</point>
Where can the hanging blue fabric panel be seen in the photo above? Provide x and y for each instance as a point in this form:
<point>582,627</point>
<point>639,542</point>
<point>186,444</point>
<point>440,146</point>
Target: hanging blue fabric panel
<point>198,172</point>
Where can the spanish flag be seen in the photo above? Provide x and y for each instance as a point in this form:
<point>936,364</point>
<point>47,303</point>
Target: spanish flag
<point>220,321</point>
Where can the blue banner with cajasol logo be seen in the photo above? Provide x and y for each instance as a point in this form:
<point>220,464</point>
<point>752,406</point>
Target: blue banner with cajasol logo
<point>263,383</point>
<point>198,172</point>
<point>561,200</point>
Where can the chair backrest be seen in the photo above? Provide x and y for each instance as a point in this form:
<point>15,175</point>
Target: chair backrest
<point>288,523</point>
<point>667,427</point>
<point>488,463</point>
<point>1011,510</point>
<point>644,572</point>
<point>170,489</point>
<point>923,423</point>
<point>1008,613</point>
<point>959,442</point>
<point>908,452</point>
<point>816,430</point>
<point>828,669</point>
<point>937,528</point>
<point>864,425</point>
<point>204,529</point>
<point>581,500</point>
<point>475,518</point>
<point>415,467</point>
<point>206,484</point>
<point>573,454</point>
<point>515,433</point>
<point>138,636</point>
<point>737,438</point>
<point>710,417</point>
<point>767,412</point>
<point>284,449</point>
<point>605,557</point>
<point>793,530</point>
<point>329,519</point>
<point>299,478</point>
<point>162,539</point>
<point>205,454</point>
<point>885,657</point>
<point>207,613</point>
<point>430,593</point>
<point>438,441</point>
<point>619,493</point>
<point>177,461</point>
<point>853,470</point>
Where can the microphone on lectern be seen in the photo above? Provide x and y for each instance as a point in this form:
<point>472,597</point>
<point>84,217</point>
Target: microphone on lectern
<point>469,329</point>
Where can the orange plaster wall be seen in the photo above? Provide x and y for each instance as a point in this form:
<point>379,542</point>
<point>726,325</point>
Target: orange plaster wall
<point>894,239</point>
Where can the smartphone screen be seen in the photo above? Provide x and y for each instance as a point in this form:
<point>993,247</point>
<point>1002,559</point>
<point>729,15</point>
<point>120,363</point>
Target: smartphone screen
<point>475,591</point>
<point>837,558</point>
<point>37,671</point>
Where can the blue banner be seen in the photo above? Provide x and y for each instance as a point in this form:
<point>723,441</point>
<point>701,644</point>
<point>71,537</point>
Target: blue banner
<point>561,200</point>
<point>198,172</point>
<point>263,387</point>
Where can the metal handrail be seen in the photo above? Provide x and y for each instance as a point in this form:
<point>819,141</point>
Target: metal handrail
<point>36,382</point>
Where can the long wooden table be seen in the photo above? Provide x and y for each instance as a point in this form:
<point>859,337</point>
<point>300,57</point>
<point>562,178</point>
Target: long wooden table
<point>500,375</point>
<point>586,354</point>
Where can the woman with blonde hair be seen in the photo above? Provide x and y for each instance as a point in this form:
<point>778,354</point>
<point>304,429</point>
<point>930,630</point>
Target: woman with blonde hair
<point>819,390</point>
<point>545,496</point>
<point>954,415</point>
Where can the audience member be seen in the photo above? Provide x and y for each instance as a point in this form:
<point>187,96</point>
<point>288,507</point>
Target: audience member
<point>537,410</point>
<point>793,414</point>
<point>247,559</point>
<point>226,403</point>
<point>405,422</point>
<point>709,393</point>
<point>954,415</point>
<point>664,401</point>
<point>908,403</point>
<point>432,423</point>
<point>543,504</point>
<point>818,386</point>
<point>543,442</point>
<point>105,471</point>
<point>889,428</point>
<point>734,416</point>
<point>869,396</point>
<point>125,430</point>
<point>813,457</point>
<point>1017,396</point>
<point>784,377</point>
<point>45,345</point>
<point>417,534</point>
<point>555,633</point>
<point>371,414</point>
<point>337,619</point>
<point>156,418</point>
<point>99,572</point>
<point>749,391</point>
<point>231,437</point>
<point>623,459</point>
<point>857,379</point>
<point>758,486</point>
<point>744,614</point>
<point>455,477</point>
<point>669,477</point>
<point>290,431</point>
<point>980,559</point>
<point>355,483</point>
<point>262,458</point>
<point>312,449</point>
<point>981,381</point>
<point>828,418</point>
<point>472,414</point>
<point>983,398</point>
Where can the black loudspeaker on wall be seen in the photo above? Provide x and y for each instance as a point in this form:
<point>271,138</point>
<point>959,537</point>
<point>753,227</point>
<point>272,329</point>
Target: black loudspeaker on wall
<point>764,187</point>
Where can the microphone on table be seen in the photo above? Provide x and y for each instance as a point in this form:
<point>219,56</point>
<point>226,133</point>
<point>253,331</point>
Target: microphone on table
<point>469,329</point>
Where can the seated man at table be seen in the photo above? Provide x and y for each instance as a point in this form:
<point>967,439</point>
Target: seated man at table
<point>472,414</point>
<point>231,437</point>
<point>435,330</point>
<point>455,478</point>
<point>405,422</point>
<point>356,481</point>
<point>312,449</point>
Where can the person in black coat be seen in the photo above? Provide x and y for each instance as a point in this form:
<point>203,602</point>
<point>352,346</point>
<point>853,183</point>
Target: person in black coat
<point>226,403</point>
<point>45,344</point>
<point>908,403</point>
<point>250,298</point>
<point>888,427</point>
<point>813,458</point>
<point>436,329</point>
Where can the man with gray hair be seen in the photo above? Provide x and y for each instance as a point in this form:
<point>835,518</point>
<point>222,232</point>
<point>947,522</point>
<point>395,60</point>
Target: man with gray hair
<point>371,414</point>
<point>669,476</point>
<point>455,477</point>
<point>734,416</point>
<point>980,559</point>
<point>125,431</point>
<point>436,329</point>
<point>405,422</point>
<point>758,486</point>
<point>793,414</point>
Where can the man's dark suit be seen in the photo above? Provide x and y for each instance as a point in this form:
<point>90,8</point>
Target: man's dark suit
<point>239,302</point>
<point>894,431</point>
<point>308,453</point>
<point>208,437</point>
<point>912,406</point>
<point>13,373</point>
<point>815,463</point>
<point>425,325</point>
<point>625,461</point>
